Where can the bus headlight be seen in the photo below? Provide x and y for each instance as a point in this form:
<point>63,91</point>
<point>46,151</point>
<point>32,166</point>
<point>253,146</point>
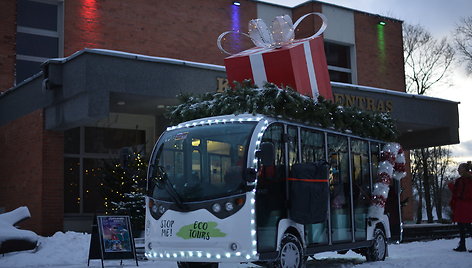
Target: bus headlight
<point>233,246</point>
<point>154,208</point>
<point>229,206</point>
<point>216,208</point>
<point>162,209</point>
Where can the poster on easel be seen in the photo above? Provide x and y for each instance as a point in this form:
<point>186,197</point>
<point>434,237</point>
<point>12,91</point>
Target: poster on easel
<point>115,234</point>
<point>115,239</point>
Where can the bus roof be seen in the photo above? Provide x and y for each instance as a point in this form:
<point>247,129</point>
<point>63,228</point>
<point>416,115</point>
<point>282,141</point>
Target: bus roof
<point>257,118</point>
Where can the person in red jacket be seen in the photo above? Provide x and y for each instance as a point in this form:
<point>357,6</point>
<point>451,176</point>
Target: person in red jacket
<point>461,202</point>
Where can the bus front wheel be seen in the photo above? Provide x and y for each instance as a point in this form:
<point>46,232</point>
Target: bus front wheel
<point>378,250</point>
<point>197,265</point>
<point>291,253</point>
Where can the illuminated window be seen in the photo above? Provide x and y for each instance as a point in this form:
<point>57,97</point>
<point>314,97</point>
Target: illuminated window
<point>195,142</point>
<point>220,160</point>
<point>216,147</point>
<point>197,164</point>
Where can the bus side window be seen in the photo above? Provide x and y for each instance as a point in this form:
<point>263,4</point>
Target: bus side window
<point>312,144</point>
<point>336,185</point>
<point>266,156</point>
<point>374,160</point>
<point>274,135</point>
<point>292,146</point>
<point>312,151</point>
<point>360,185</point>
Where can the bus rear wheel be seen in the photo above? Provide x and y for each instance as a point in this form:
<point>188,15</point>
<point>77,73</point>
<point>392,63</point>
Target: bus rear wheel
<point>378,250</point>
<point>197,265</point>
<point>291,253</point>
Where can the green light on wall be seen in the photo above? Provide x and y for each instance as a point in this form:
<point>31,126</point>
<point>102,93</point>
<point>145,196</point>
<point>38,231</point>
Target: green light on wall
<point>382,23</point>
<point>382,54</point>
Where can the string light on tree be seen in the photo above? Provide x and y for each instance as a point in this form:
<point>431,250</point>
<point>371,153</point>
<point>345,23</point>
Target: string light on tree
<point>123,187</point>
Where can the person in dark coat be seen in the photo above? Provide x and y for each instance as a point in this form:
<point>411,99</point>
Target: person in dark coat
<point>461,202</point>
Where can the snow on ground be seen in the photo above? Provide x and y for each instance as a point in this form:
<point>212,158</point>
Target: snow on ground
<point>70,250</point>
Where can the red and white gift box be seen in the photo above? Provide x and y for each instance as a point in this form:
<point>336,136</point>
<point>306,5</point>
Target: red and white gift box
<point>300,65</point>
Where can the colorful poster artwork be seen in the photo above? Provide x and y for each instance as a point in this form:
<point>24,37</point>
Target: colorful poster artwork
<point>115,234</point>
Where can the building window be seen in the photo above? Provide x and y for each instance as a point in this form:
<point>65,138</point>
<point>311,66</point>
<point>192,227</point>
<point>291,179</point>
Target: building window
<point>86,151</point>
<point>39,35</point>
<point>338,58</point>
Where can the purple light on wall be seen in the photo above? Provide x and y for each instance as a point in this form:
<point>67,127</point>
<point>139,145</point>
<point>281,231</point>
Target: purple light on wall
<point>235,21</point>
<point>235,39</point>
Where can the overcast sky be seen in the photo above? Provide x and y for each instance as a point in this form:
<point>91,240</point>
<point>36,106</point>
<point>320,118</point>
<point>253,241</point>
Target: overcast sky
<point>440,18</point>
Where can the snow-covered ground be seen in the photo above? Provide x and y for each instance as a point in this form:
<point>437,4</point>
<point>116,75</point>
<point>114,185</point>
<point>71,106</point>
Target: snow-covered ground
<point>70,250</point>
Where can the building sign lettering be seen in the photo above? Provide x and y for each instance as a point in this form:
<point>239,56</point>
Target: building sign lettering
<point>364,103</point>
<point>222,84</point>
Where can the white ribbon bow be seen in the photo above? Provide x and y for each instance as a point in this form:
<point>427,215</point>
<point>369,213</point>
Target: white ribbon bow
<point>282,32</point>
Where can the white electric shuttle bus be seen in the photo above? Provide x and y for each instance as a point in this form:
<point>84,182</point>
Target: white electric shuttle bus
<point>255,189</point>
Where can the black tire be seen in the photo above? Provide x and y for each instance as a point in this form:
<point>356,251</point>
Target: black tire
<point>197,264</point>
<point>378,250</point>
<point>291,253</point>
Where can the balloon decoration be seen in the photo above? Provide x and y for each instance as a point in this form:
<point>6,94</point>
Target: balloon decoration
<point>391,166</point>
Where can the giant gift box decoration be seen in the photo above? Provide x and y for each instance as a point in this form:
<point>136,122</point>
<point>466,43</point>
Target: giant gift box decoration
<point>280,59</point>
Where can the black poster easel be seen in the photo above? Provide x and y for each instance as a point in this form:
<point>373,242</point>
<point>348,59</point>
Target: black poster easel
<point>112,239</point>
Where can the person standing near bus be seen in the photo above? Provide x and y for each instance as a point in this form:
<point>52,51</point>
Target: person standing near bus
<point>461,202</point>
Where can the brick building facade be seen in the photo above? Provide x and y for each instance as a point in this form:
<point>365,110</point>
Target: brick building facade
<point>33,157</point>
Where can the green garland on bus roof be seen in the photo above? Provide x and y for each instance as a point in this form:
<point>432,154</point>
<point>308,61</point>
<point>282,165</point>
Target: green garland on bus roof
<point>287,104</point>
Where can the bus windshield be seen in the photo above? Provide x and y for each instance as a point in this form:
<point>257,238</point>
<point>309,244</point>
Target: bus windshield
<point>201,162</point>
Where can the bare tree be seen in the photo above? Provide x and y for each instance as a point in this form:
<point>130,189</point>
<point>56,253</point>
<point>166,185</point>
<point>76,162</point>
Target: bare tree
<point>431,168</point>
<point>440,166</point>
<point>427,60</point>
<point>463,40</point>
<point>425,156</point>
<point>416,177</point>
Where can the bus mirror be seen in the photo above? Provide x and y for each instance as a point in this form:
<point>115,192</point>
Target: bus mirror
<point>266,154</point>
<point>251,175</point>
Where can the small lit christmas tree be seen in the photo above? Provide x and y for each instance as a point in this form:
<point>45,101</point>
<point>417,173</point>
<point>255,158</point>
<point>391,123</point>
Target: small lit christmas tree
<point>123,189</point>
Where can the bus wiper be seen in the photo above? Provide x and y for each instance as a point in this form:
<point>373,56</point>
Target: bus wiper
<point>163,182</point>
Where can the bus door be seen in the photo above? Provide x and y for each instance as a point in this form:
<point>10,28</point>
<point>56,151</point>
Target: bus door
<point>270,190</point>
<point>340,189</point>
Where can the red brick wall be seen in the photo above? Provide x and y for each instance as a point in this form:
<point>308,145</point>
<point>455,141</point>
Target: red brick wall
<point>52,182</point>
<point>379,51</point>
<point>31,172</point>
<point>311,23</point>
<point>7,43</point>
<point>184,29</point>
